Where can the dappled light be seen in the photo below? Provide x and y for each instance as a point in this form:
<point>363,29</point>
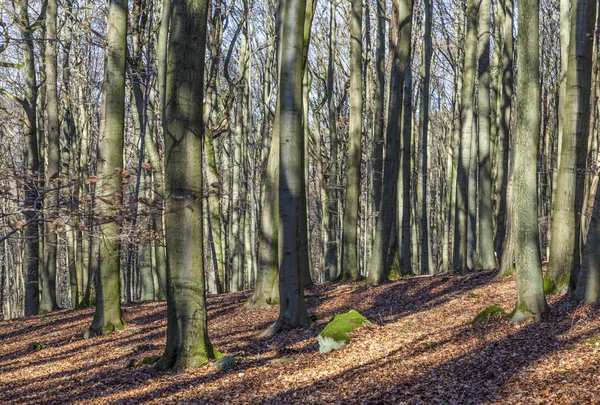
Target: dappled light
<point>421,347</point>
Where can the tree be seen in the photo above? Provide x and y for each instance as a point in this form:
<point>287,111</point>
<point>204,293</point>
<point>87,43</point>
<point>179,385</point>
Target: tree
<point>466,124</point>
<point>48,269</point>
<point>292,198</point>
<point>531,301</point>
<point>400,45</point>
<point>107,316</point>
<point>505,14</point>
<point>565,243</point>
<point>579,82</point>
<point>187,335</point>
<point>486,230</point>
<point>32,161</point>
<point>350,268</point>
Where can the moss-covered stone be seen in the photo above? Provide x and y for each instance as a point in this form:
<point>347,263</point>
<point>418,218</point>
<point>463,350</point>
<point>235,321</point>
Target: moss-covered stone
<point>488,313</point>
<point>335,335</point>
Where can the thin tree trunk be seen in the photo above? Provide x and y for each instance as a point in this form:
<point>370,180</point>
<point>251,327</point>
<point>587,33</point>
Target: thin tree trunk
<point>486,227</point>
<point>462,208</point>
<point>107,316</point>
<point>400,50</point>
<point>350,268</point>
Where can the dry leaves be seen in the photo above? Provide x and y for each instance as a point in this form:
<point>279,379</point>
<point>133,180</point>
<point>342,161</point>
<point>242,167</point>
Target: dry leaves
<point>421,349</point>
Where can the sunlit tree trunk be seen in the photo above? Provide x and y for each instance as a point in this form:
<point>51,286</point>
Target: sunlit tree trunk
<point>292,198</point>
<point>107,316</point>
<point>467,98</point>
<point>48,269</point>
<point>350,268</point>
<point>400,50</point>
<point>531,301</point>
<point>486,229</point>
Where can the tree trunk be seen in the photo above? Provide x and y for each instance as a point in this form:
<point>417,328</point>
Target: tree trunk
<point>187,336</point>
<point>426,260</point>
<point>400,50</point>
<point>565,245</point>
<point>107,316</point>
<point>462,208</point>
<point>531,301</point>
<point>32,163</point>
<point>331,255</point>
<point>350,268</point>
<point>486,228</point>
<point>292,198</point>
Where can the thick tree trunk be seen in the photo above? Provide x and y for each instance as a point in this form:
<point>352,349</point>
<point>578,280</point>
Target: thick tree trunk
<point>565,244</point>
<point>187,335</point>
<point>48,270</point>
<point>292,199</point>
<point>32,162</point>
<point>531,301</point>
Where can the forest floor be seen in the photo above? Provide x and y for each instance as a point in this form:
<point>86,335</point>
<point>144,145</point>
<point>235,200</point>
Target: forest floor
<point>420,349</point>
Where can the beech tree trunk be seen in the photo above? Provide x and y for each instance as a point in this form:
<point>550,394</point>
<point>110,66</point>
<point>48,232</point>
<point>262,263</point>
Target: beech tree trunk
<point>107,316</point>
<point>187,335</point>
<point>531,301</point>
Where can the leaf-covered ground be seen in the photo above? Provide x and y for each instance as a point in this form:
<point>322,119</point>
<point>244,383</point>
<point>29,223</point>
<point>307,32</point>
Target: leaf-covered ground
<point>420,349</point>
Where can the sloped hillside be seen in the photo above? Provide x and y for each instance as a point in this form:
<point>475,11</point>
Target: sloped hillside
<point>420,348</point>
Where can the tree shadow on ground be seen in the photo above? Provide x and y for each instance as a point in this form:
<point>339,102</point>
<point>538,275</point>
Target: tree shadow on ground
<point>482,375</point>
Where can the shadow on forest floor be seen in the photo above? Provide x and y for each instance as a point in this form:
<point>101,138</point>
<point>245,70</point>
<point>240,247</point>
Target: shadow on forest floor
<point>421,348</point>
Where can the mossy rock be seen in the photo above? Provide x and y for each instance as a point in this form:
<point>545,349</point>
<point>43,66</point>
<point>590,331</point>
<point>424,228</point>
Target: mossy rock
<point>36,347</point>
<point>335,335</point>
<point>488,313</point>
<point>224,363</point>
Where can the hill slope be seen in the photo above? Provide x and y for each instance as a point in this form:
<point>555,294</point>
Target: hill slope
<point>421,348</point>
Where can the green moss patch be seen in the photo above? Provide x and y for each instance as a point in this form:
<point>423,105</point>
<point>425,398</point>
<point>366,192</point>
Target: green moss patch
<point>335,335</point>
<point>36,347</point>
<point>593,341</point>
<point>488,313</point>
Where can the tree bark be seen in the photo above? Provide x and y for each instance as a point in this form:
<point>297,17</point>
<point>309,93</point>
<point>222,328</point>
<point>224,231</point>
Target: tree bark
<point>531,301</point>
<point>462,208</point>
<point>187,344</point>
<point>565,244</point>
<point>400,50</point>
<point>107,316</point>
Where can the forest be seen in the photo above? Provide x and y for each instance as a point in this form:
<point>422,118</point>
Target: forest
<point>299,201</point>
